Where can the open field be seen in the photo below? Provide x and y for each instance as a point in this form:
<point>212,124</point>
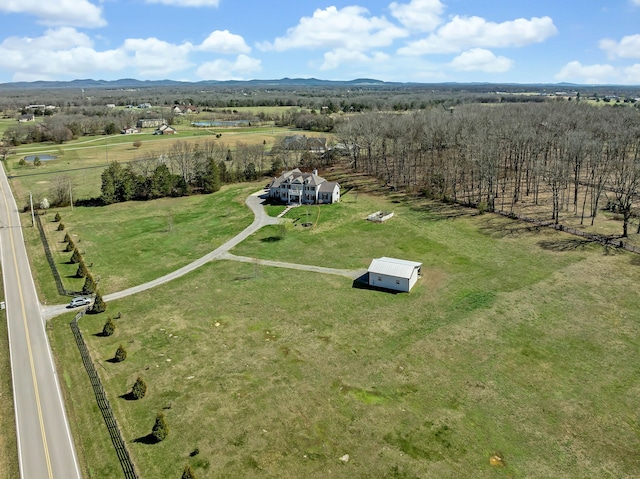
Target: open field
<point>8,441</point>
<point>126,249</point>
<point>82,161</point>
<point>517,341</point>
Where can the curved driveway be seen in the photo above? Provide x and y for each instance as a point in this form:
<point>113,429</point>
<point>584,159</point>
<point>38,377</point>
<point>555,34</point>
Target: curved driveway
<point>255,203</point>
<point>40,414</point>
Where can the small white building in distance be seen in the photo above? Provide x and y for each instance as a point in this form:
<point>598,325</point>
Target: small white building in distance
<point>394,274</point>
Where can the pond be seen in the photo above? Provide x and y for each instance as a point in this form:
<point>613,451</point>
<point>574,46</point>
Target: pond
<point>222,123</point>
<point>42,157</point>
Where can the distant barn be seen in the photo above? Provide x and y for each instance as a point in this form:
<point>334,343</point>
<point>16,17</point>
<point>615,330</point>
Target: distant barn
<point>394,274</point>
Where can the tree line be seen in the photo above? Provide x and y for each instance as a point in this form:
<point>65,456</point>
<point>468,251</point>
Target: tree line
<point>185,168</point>
<point>568,157</point>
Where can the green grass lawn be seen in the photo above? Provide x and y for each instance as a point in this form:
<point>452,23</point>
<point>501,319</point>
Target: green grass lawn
<point>515,342</point>
<point>126,244</point>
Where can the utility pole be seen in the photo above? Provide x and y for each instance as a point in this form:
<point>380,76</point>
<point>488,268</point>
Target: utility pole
<point>33,218</point>
<point>70,196</point>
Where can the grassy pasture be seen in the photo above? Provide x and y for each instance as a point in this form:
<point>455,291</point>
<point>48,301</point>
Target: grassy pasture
<point>131,243</point>
<point>83,160</point>
<point>515,341</point>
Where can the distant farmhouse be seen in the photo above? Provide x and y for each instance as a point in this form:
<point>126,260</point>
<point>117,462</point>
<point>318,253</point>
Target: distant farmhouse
<point>184,110</point>
<point>295,187</point>
<point>150,122</point>
<point>165,130</point>
<point>26,117</point>
<point>304,143</point>
<point>130,130</point>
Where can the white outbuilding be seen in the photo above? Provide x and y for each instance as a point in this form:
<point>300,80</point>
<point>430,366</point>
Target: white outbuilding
<point>395,274</point>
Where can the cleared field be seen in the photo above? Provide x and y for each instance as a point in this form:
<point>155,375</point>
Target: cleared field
<point>127,244</point>
<point>82,161</point>
<point>516,343</point>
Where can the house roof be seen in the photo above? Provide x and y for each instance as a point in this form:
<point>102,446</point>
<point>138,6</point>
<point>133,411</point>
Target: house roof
<point>398,268</point>
<point>327,186</point>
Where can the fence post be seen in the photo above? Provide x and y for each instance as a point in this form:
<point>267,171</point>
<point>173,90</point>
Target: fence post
<point>103,403</point>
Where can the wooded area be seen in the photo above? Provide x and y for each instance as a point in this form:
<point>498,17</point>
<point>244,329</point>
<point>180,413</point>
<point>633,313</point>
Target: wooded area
<point>567,155</point>
<point>492,147</point>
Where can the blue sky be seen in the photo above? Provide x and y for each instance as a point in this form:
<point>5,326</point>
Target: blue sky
<point>520,41</point>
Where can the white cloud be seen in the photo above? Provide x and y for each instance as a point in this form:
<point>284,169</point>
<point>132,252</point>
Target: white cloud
<point>187,3</point>
<point>76,13</point>
<point>350,28</point>
<point>67,53</point>
<point>226,70</point>
<point>58,53</point>
<point>222,41</point>
<point>635,2</point>
<point>628,47</point>
<point>341,56</point>
<point>577,72</point>
<point>468,32</point>
<point>479,59</point>
<point>153,57</point>
<point>419,15</point>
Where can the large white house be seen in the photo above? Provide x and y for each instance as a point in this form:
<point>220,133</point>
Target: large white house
<point>295,187</point>
<point>395,274</point>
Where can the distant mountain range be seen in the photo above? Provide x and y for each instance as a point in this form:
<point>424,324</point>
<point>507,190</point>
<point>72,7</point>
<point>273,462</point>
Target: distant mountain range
<point>133,83</point>
<point>128,83</point>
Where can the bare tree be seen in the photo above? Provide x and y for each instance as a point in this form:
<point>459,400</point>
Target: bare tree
<point>61,191</point>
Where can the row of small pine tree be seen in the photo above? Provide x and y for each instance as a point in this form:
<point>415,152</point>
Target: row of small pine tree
<point>160,429</point>
<point>90,286</point>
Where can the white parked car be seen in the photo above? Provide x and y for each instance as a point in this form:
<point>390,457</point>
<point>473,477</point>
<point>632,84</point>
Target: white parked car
<point>79,301</point>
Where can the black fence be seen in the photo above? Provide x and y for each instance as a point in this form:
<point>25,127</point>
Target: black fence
<point>51,261</point>
<point>103,403</point>
<point>603,240</point>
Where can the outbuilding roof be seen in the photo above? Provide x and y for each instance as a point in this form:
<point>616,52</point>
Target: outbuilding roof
<point>398,268</point>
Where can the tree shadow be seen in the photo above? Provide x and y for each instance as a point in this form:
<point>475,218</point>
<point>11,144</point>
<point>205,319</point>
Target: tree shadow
<point>148,439</point>
<point>271,239</point>
<point>442,211</point>
<point>113,361</point>
<point>495,227</point>
<point>89,202</point>
<point>568,244</point>
<point>128,397</point>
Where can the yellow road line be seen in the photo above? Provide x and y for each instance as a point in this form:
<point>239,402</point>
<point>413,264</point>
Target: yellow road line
<point>26,328</point>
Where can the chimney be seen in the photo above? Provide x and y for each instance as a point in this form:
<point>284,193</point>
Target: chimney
<point>315,171</point>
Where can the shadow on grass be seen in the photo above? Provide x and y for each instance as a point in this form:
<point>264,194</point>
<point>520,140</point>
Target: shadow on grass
<point>271,239</point>
<point>113,361</point>
<point>148,439</point>
<point>443,211</point>
<point>89,202</point>
<point>569,244</point>
<point>128,397</point>
<point>495,227</point>
<point>362,282</point>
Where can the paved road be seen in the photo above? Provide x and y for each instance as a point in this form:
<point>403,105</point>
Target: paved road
<point>45,447</point>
